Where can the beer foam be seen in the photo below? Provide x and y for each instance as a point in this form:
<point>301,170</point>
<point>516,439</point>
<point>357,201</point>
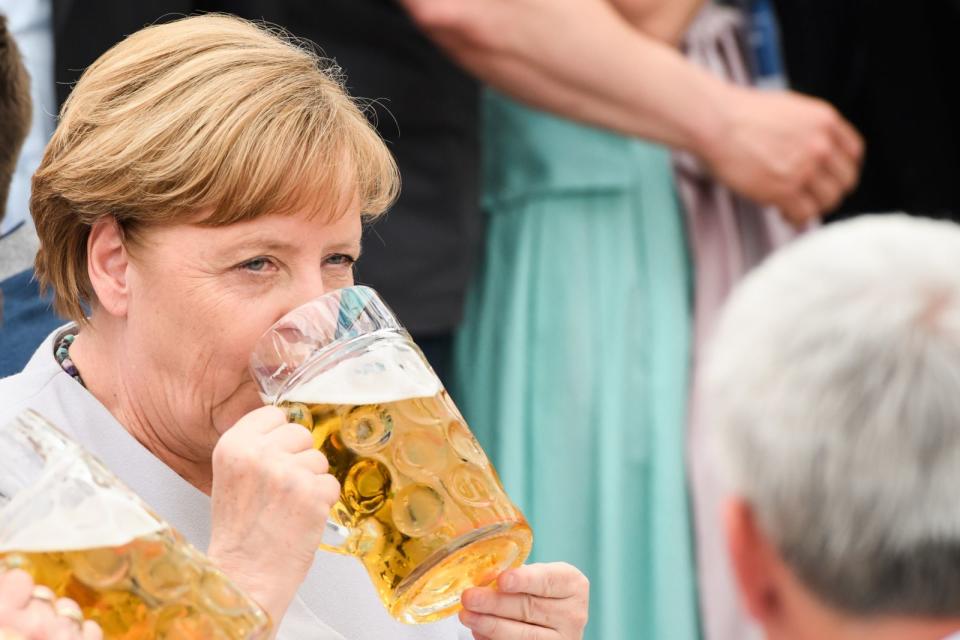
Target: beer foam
<point>386,372</point>
<point>57,522</point>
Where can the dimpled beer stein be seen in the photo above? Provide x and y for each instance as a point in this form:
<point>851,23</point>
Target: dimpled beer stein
<point>72,525</point>
<point>420,505</point>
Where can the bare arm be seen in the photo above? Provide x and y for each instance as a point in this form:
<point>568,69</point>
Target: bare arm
<point>589,61</point>
<point>665,20</point>
<point>584,60</point>
<point>576,58</point>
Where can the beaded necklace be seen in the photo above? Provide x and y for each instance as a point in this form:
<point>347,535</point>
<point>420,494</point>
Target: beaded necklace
<point>62,354</point>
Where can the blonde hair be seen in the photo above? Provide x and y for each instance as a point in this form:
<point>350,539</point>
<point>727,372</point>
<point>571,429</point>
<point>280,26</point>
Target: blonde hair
<point>209,114</point>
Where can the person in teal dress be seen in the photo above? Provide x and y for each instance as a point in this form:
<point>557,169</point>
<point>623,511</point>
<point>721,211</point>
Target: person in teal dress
<point>572,364</point>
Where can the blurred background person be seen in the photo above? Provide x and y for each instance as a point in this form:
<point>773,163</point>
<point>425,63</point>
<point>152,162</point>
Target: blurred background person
<point>30,27</point>
<point>833,385</point>
<point>15,118</point>
<point>889,68</point>
<point>572,362</point>
<point>27,106</point>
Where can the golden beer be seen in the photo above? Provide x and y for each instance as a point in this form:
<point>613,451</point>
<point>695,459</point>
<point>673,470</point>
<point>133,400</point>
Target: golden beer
<point>73,526</point>
<point>424,510</point>
<point>154,586</point>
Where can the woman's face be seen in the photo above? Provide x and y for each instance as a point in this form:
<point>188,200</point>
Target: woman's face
<point>200,297</point>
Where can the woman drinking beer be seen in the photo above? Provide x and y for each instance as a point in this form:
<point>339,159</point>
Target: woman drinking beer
<point>206,177</point>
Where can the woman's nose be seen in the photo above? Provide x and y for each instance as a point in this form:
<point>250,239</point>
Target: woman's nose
<point>311,286</point>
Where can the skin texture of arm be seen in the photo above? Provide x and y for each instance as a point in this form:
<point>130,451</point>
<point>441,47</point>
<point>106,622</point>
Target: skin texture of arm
<point>664,20</point>
<point>591,61</point>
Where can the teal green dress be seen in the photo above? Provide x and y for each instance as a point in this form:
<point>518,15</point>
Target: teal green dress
<point>572,364</point>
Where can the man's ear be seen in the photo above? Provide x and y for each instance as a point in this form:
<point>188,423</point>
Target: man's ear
<point>754,560</point>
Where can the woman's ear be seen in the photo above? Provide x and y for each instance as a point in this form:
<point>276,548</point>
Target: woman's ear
<point>107,265</point>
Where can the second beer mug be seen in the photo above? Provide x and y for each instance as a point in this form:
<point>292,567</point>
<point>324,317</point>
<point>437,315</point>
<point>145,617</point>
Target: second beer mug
<point>420,504</point>
<point>76,529</point>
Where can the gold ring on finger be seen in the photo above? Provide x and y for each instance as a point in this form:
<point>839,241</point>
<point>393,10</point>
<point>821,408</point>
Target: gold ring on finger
<point>43,594</point>
<point>71,613</point>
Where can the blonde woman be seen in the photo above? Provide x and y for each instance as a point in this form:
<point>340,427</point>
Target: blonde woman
<point>206,177</point>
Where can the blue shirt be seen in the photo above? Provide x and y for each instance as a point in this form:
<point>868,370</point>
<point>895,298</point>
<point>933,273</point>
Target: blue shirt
<point>26,321</point>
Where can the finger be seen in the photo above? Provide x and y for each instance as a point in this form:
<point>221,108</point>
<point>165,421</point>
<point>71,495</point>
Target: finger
<point>549,580</point>
<point>327,489</point>
<point>72,616</point>
<point>45,594</point>
<point>66,606</point>
<point>290,438</point>
<point>39,612</point>
<point>849,139</point>
<point>262,420</point>
<point>41,603</point>
<point>59,628</point>
<point>514,606</point>
<point>844,169</point>
<point>313,461</point>
<point>92,631</point>
<point>503,629</point>
<point>480,636</point>
<point>799,210</point>
<point>38,620</point>
<point>15,589</point>
<point>826,191</point>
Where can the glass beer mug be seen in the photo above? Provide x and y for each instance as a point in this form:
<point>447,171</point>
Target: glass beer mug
<point>420,504</point>
<point>72,525</point>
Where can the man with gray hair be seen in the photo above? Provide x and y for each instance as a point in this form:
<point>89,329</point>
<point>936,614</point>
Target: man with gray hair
<point>835,380</point>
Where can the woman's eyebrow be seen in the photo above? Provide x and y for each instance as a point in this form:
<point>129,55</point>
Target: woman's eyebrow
<point>260,244</point>
<point>346,247</point>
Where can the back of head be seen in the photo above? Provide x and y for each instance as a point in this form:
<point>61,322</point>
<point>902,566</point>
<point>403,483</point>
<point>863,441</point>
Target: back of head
<point>14,109</point>
<point>835,384</point>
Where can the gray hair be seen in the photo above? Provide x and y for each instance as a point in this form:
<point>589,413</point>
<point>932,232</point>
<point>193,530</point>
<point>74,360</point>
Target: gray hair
<point>834,386</point>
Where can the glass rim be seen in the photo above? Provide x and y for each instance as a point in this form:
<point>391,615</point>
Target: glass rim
<point>309,331</point>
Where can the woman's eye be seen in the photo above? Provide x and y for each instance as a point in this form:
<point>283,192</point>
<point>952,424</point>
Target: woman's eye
<point>256,265</point>
<point>341,260</point>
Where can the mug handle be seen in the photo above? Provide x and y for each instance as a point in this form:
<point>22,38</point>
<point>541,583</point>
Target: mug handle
<point>335,535</point>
